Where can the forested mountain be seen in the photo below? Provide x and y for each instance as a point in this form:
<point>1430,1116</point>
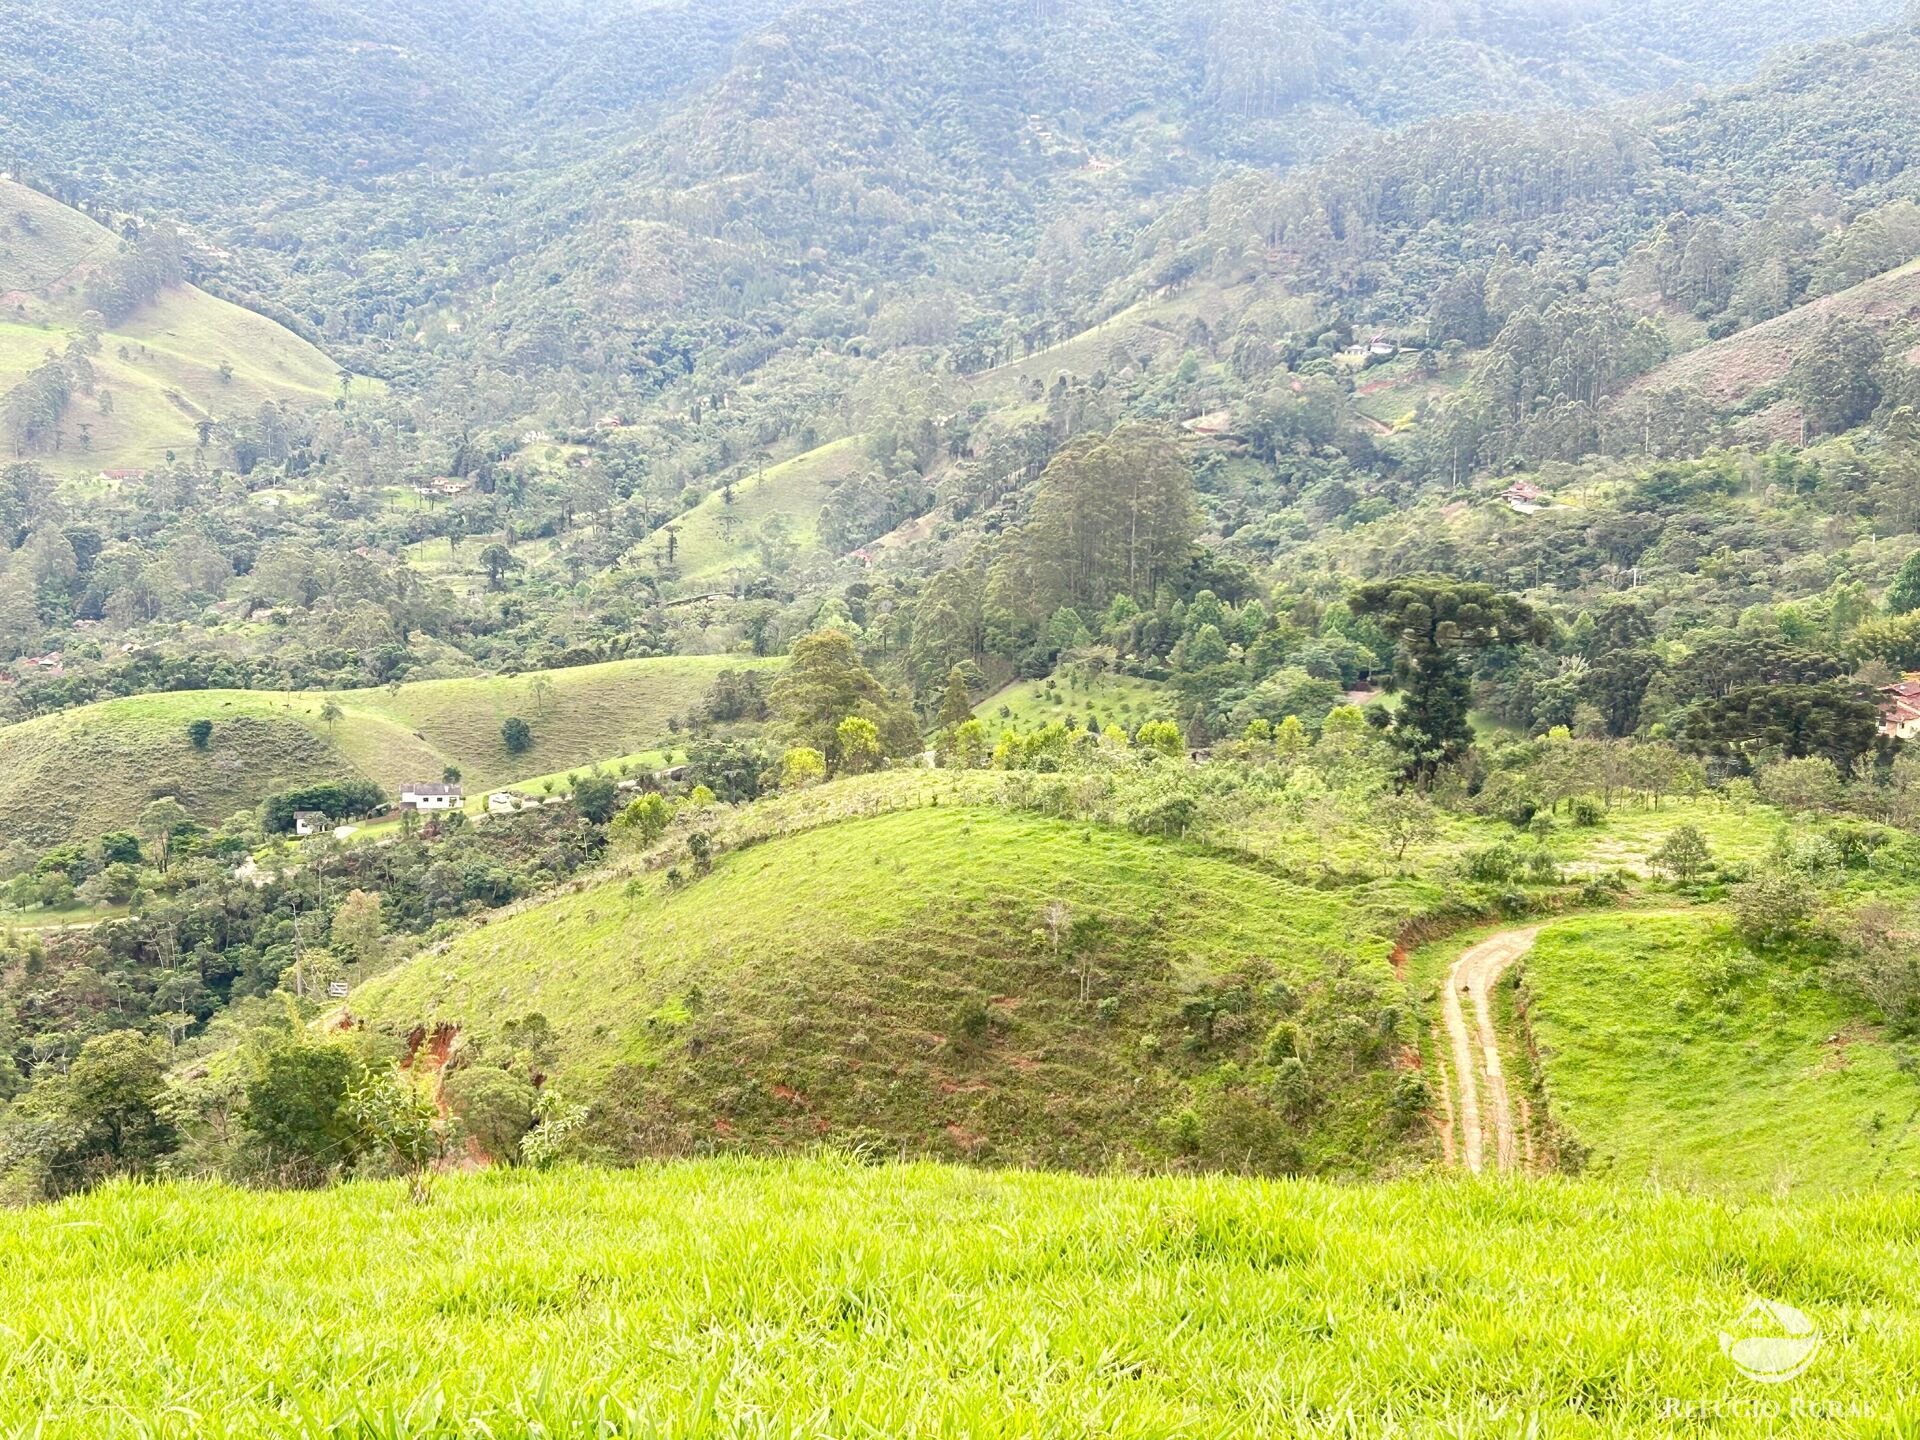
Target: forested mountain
<point>213,105</point>
<point>730,164</point>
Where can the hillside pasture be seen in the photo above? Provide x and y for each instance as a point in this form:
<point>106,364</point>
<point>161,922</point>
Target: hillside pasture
<point>1672,1053</point>
<point>1732,372</point>
<point>1121,701</point>
<point>133,750</point>
<point>715,536</point>
<point>160,369</point>
<point>952,981</point>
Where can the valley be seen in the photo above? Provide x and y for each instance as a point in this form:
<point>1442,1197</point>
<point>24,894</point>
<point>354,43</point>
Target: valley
<point>946,717</point>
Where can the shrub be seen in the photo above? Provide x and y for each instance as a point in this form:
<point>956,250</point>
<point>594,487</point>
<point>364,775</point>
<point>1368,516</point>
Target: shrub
<point>645,820</point>
<point>597,798</point>
<point>1774,909</point>
<point>200,732</point>
<point>1684,856</point>
<point>802,766</point>
<point>1162,736</point>
<point>1587,811</point>
<point>1881,965</point>
<point>516,735</point>
<point>495,1108</point>
<point>1292,1086</point>
<point>1412,1097</point>
<point>1491,865</point>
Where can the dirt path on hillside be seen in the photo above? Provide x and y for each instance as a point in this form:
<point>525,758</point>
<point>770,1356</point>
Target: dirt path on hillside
<point>1476,1051</point>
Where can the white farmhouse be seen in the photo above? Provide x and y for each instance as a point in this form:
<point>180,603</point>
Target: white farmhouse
<point>311,822</point>
<point>419,795</point>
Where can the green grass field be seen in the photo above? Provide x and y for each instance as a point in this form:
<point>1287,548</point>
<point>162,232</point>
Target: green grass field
<point>161,366</point>
<point>906,980</point>
<point>1389,394</point>
<point>1671,1052</point>
<point>820,1297</point>
<point>136,749</point>
<point>715,537</point>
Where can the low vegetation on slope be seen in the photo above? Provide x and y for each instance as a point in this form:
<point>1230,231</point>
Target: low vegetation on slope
<point>172,361</point>
<point>820,1297</point>
<point>764,521</point>
<point>1670,1050</point>
<point>79,773</point>
<point>85,772</point>
<point>952,981</point>
<point>1747,373</point>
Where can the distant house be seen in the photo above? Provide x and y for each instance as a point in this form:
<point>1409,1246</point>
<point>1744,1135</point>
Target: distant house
<point>418,795</point>
<point>1525,498</point>
<point>505,802</point>
<point>1380,343</point>
<point>1900,709</point>
<point>312,822</point>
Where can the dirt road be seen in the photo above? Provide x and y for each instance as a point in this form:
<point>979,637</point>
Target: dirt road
<point>1477,1073</point>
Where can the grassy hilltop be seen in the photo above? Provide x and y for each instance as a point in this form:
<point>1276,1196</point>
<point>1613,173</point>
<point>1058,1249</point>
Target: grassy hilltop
<point>952,981</point>
<point>161,366</point>
<point>810,1297</point>
<point>135,749</point>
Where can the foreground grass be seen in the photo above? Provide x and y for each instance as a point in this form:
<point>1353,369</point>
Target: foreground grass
<point>1671,1051</point>
<point>818,1297</point>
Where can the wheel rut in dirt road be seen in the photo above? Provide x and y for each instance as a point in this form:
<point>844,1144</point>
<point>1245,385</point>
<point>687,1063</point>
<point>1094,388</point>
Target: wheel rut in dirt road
<point>1475,1048</point>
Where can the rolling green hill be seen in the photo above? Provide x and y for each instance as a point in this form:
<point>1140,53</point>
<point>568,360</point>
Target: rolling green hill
<point>718,535</point>
<point>822,1296</point>
<point>136,749</point>
<point>1671,1052</point>
<point>952,981</point>
<point>159,370</point>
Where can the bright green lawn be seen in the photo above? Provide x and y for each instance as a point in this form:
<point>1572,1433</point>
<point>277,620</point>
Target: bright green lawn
<point>1670,1051</point>
<point>1632,833</point>
<point>820,1298</point>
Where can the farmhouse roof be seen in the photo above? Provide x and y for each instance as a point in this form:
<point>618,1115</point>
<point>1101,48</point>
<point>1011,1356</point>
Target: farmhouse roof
<point>433,788</point>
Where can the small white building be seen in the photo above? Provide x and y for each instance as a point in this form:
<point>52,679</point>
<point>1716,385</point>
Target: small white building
<point>311,822</point>
<point>419,795</point>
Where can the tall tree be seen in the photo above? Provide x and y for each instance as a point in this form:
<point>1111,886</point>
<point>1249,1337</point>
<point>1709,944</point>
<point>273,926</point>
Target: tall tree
<point>1438,623</point>
<point>1112,515</point>
<point>824,684</point>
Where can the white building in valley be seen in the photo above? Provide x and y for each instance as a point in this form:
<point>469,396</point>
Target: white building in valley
<point>418,795</point>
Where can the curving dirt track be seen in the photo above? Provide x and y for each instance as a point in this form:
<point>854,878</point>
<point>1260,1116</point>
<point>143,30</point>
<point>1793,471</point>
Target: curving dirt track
<point>1475,1050</point>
